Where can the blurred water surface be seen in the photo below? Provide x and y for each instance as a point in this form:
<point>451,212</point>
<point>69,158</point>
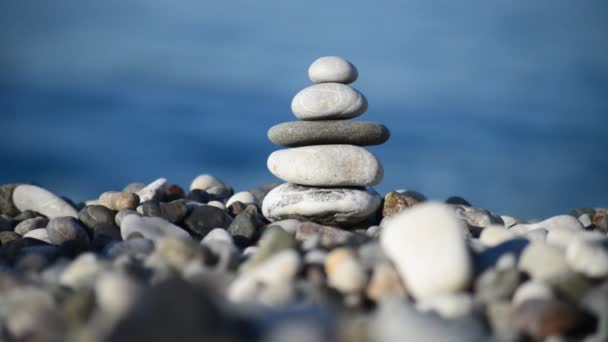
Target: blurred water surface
<point>504,103</point>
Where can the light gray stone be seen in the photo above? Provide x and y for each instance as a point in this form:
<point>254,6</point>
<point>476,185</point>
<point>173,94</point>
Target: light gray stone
<point>205,182</point>
<point>152,190</point>
<point>449,305</point>
<point>30,224</point>
<point>588,256</point>
<point>116,293</point>
<point>244,197</point>
<point>62,229</point>
<point>532,289</point>
<point>83,271</point>
<point>151,228</point>
<point>305,133</point>
<point>426,243</point>
<point>477,217</point>
<point>495,235</point>
<point>38,234</point>
<point>327,165</point>
<point>35,198</point>
<point>543,261</point>
<point>328,101</point>
<point>332,69</point>
<point>324,205</point>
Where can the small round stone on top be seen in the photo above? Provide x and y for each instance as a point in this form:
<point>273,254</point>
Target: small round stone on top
<point>332,69</point>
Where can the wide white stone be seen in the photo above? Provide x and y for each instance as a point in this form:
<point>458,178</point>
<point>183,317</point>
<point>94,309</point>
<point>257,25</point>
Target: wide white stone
<point>426,243</point>
<point>35,198</point>
<point>326,165</point>
<point>532,289</point>
<point>217,234</point>
<point>588,256</point>
<point>217,204</point>
<point>116,293</point>
<point>244,197</point>
<point>150,227</point>
<point>325,205</point>
<point>39,234</point>
<point>151,190</point>
<point>205,181</point>
<point>543,261</point>
<point>328,101</point>
<point>332,69</point>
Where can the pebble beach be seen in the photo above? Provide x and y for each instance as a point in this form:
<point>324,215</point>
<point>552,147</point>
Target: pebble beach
<point>320,256</point>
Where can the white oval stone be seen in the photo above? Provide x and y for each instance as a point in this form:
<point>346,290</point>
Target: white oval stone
<point>532,289</point>
<point>426,243</point>
<point>324,205</point>
<point>39,234</point>
<point>244,197</point>
<point>449,305</point>
<point>217,234</point>
<point>150,227</point>
<point>328,101</point>
<point>217,204</point>
<point>543,261</point>
<point>326,165</point>
<point>332,69</point>
<point>494,235</point>
<point>205,181</point>
<point>35,198</point>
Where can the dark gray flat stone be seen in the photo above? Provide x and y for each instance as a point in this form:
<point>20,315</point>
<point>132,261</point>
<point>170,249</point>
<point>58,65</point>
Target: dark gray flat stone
<point>304,133</point>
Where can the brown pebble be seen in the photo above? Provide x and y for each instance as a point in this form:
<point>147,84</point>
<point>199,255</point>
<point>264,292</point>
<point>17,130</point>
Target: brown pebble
<point>395,202</point>
<point>385,281</point>
<point>119,200</point>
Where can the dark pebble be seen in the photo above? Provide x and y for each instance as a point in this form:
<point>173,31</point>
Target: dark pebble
<point>198,195</point>
<point>95,214</point>
<point>8,236</point>
<point>30,224</point>
<point>244,227</point>
<point>12,249</point>
<point>27,214</point>
<point>7,207</point>
<point>5,224</point>
<point>62,229</point>
<point>174,211</point>
<point>204,218</point>
<point>103,234</point>
<point>173,192</point>
<point>236,208</point>
<point>457,200</point>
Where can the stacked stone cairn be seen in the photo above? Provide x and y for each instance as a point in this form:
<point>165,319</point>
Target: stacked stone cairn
<point>328,172</point>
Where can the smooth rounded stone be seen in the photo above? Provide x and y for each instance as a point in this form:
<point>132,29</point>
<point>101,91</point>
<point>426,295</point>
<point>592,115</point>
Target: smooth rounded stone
<point>35,198</point>
<point>495,235</point>
<point>204,218</point>
<point>122,214</point>
<point>39,234</point>
<point>83,271</point>
<point>542,261</point>
<point>288,225</point>
<point>397,319</point>
<point>477,217</point>
<point>7,207</point>
<point>324,235</point>
<point>306,133</point>
<point>244,197</point>
<point>220,193</point>
<point>30,224</point>
<point>198,195</point>
<point>95,214</point>
<point>532,289</point>
<point>498,315</point>
<point>326,165</point>
<point>315,256</point>
<point>270,283</point>
<point>174,211</point>
<point>340,206</point>
<point>588,256</point>
<point>178,252</point>
<point>151,228</point>
<point>560,223</point>
<point>151,191</point>
<point>332,69</point>
<point>273,240</point>
<point>328,101</point>
<point>133,187</point>
<point>344,272</point>
<point>458,201</point>
<point>373,231</point>
<point>448,306</point>
<point>540,319</point>
<point>244,227</point>
<point>104,233</point>
<point>119,200</point>
<point>205,182</point>
<point>385,282</point>
<point>250,251</point>
<point>62,229</point>
<point>396,201</point>
<point>432,232</point>
<point>217,204</point>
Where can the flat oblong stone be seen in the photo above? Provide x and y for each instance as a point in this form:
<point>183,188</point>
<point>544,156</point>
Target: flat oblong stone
<point>337,206</point>
<point>328,101</point>
<point>326,165</point>
<point>35,198</point>
<point>305,133</point>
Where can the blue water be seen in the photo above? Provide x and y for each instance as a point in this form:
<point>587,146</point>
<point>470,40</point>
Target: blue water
<point>503,103</point>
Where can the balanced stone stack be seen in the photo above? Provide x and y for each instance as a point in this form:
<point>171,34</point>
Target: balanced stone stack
<point>328,173</point>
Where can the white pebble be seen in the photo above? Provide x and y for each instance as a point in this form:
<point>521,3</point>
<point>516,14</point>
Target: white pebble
<point>217,204</point>
<point>39,234</point>
<point>495,235</point>
<point>448,306</point>
<point>244,197</point>
<point>332,69</point>
<point>151,190</point>
<point>205,182</point>
<point>532,289</point>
